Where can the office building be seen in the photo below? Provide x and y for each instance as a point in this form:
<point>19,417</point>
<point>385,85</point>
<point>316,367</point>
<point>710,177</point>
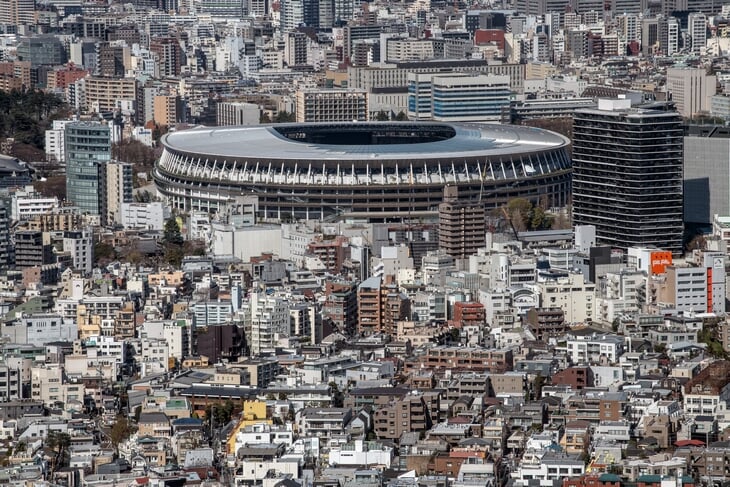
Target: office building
<point>45,50</point>
<point>691,89</point>
<point>457,97</point>
<point>697,30</point>
<point>627,174</point>
<point>87,147</point>
<point>461,225</point>
<point>332,105</point>
<point>237,113</point>
<point>706,174</point>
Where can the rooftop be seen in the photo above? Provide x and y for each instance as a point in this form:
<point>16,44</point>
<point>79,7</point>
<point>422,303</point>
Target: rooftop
<point>362,141</point>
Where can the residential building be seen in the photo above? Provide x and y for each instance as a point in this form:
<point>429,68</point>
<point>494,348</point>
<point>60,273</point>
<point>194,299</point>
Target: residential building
<point>269,321</point>
<point>116,179</point>
<point>148,216</point>
<point>331,105</point>
<point>461,225</point>
<point>408,414</point>
<point>611,190</point>
<point>80,246</point>
<point>709,391</point>
<point>32,249</point>
<point>168,53</point>
<point>380,306</point>
<point>104,94</point>
<point>594,349</point>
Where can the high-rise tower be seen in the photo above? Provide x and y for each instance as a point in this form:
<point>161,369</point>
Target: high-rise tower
<point>627,174</point>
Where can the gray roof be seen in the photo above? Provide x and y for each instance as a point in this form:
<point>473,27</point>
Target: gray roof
<point>266,142</point>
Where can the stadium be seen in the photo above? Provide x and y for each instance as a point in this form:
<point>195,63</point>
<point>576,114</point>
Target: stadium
<point>373,170</point>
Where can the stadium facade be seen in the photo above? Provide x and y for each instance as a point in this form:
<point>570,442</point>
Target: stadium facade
<point>371,170</point>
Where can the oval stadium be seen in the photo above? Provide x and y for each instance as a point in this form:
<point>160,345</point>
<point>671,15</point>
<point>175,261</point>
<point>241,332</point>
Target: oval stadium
<point>370,170</point>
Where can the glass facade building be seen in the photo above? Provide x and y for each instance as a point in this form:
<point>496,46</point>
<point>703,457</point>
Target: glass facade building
<point>88,146</point>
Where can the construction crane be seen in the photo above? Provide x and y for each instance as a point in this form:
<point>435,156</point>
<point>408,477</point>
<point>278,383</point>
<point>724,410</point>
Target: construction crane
<point>512,225</point>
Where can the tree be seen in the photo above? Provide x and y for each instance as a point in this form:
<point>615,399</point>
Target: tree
<point>52,186</point>
<point>538,385</point>
<point>20,447</point>
<point>401,116</point>
<point>172,233</point>
<point>134,151</point>
<point>58,442</point>
<point>284,117</point>
<point>174,254</point>
<point>121,430</point>
<point>519,210</point>
<point>698,242</point>
<point>381,116</point>
<point>104,252</point>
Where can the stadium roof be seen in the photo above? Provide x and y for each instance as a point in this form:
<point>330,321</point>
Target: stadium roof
<point>437,139</point>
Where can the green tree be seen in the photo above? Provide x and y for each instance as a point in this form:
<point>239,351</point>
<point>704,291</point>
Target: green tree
<point>539,219</point>
<point>381,116</point>
<point>58,442</point>
<point>401,116</point>
<point>172,233</point>
<point>284,117</point>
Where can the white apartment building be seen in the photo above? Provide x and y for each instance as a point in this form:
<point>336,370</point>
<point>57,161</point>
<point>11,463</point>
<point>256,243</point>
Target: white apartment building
<point>359,452</point>
<point>39,329</point>
<point>175,332</point>
<point>269,317</point>
<point>548,467</point>
<point>571,293</point>
<point>55,145</point>
<point>697,30</point>
<point>47,386</point>
<point>209,313</point>
<point>155,351</point>
<point>595,349</point>
<point>148,216</point>
<point>143,135</point>
<point>262,433</point>
<point>25,204</point>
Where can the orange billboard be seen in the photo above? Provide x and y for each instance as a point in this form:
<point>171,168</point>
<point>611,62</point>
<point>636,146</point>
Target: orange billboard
<point>659,261</point>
